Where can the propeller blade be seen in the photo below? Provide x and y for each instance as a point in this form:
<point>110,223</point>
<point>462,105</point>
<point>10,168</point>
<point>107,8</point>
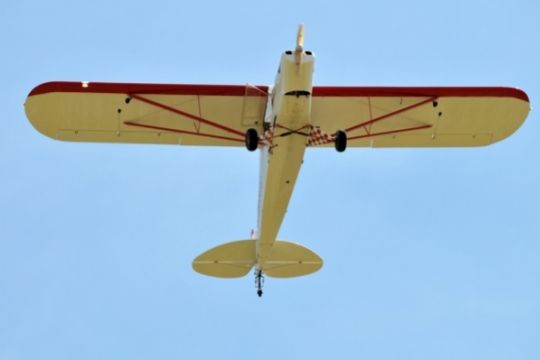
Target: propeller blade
<point>300,37</point>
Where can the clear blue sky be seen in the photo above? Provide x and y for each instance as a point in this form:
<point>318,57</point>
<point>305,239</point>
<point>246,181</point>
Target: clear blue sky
<point>429,253</point>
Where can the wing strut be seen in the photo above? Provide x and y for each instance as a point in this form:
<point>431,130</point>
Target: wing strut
<point>186,114</point>
<point>149,126</point>
<point>390,132</point>
<point>317,137</point>
<point>372,121</point>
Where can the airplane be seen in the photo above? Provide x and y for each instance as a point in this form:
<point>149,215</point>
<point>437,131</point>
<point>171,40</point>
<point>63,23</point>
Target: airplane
<point>281,121</point>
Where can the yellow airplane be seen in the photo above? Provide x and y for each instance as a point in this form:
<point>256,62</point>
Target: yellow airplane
<point>281,121</point>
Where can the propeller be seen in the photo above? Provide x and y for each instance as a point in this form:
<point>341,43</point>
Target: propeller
<point>300,38</point>
<point>299,51</point>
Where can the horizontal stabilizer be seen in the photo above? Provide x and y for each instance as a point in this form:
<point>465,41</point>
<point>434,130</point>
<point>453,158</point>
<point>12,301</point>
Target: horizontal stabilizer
<point>230,260</point>
<point>237,258</point>
<point>289,260</point>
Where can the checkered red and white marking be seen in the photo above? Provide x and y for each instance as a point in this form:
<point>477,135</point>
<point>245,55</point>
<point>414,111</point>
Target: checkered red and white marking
<point>318,137</point>
<point>315,137</point>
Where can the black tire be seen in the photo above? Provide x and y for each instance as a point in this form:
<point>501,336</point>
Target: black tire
<point>252,139</point>
<point>341,141</point>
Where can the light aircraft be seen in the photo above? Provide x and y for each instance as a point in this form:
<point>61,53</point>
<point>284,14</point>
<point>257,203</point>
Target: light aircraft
<point>281,121</point>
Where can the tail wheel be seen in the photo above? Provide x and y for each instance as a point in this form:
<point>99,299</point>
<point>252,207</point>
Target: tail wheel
<point>252,139</point>
<point>341,141</point>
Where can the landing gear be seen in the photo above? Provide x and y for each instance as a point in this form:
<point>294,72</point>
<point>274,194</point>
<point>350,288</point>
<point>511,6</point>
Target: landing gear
<point>252,139</point>
<point>341,141</point>
<point>259,281</point>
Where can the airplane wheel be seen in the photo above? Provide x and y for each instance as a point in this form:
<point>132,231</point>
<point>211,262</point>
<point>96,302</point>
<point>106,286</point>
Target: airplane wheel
<point>341,141</point>
<point>252,139</point>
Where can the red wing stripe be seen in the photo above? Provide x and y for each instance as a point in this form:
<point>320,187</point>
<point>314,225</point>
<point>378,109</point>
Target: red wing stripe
<point>450,91</point>
<point>372,121</point>
<point>183,113</point>
<point>390,132</point>
<point>134,88</point>
<point>130,123</point>
<point>239,90</point>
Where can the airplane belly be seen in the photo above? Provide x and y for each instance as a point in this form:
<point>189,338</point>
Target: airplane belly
<point>283,166</point>
<point>283,159</point>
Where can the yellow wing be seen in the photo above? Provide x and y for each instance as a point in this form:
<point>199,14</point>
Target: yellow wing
<point>146,113</point>
<point>418,117</point>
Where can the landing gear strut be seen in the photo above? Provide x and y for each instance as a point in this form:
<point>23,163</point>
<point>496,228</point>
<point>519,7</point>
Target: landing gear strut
<point>259,281</point>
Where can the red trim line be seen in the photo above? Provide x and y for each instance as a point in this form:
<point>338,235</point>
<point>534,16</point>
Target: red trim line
<point>372,121</point>
<point>134,88</point>
<point>375,91</point>
<point>130,123</point>
<point>389,132</point>
<point>240,90</point>
<point>191,116</point>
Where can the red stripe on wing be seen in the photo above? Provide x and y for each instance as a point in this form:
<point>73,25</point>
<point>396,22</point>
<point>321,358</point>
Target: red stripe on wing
<point>375,91</point>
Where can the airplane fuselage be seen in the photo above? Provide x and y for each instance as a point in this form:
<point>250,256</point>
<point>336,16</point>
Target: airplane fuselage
<point>287,124</point>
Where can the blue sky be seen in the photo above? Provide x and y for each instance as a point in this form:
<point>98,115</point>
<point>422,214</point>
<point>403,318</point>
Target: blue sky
<point>429,253</point>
